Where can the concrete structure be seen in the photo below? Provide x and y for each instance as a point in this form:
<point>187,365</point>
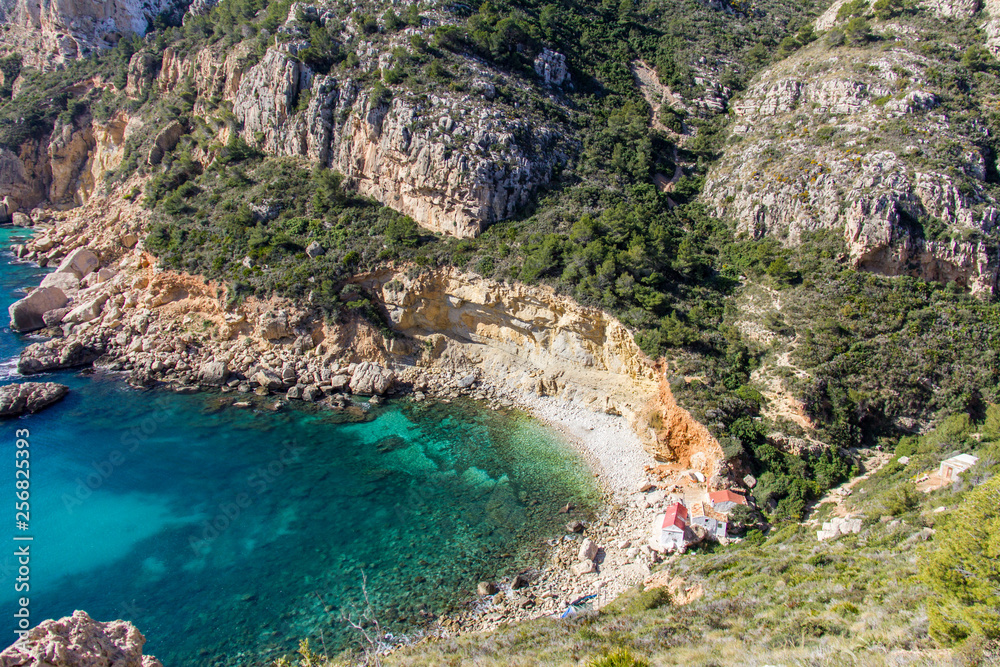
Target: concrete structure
<point>951,468</point>
<point>725,501</point>
<point>716,529</point>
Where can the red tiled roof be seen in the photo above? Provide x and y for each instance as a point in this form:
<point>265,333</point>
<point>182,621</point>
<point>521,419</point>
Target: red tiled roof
<point>676,516</point>
<point>726,496</point>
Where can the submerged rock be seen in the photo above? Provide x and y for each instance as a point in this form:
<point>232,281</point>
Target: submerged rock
<point>79,641</point>
<point>487,588</point>
<point>16,399</point>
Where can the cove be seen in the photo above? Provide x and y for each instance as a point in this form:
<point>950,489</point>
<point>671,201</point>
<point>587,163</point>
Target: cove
<point>227,535</point>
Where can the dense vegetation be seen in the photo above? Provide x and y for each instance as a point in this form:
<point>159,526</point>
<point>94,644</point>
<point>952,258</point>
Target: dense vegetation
<point>870,350</point>
<point>875,359</point>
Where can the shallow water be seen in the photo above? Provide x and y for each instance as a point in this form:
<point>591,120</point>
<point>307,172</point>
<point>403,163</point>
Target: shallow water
<point>226,535</point>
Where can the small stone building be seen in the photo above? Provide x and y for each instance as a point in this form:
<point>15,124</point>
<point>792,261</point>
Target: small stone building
<point>951,468</point>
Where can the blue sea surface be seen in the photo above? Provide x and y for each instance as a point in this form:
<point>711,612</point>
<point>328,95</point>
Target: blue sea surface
<point>228,535</point>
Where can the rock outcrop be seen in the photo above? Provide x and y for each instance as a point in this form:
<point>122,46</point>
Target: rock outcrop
<point>49,34</point>
<point>855,141</point>
<point>450,163</point>
<point>30,397</point>
<point>454,163</point>
<point>28,313</point>
<point>56,355</point>
<point>371,379</point>
<point>79,641</point>
<point>526,336</point>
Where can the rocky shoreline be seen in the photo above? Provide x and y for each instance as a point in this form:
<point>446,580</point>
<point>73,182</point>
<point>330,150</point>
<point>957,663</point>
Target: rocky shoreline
<point>173,331</point>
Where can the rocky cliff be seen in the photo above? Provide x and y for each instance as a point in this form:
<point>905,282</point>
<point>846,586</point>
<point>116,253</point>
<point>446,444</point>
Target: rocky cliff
<point>868,142</point>
<point>48,34</point>
<point>527,337</point>
<point>454,163</point>
<point>65,168</point>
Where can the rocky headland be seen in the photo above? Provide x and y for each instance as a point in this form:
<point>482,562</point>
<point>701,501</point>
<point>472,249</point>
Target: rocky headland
<point>79,641</point>
<point>30,397</point>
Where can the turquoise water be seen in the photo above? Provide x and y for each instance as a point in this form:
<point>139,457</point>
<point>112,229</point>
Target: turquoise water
<point>227,535</point>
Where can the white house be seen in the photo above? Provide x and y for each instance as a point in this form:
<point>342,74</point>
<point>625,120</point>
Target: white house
<point>674,527</point>
<point>716,529</point>
<point>951,468</point>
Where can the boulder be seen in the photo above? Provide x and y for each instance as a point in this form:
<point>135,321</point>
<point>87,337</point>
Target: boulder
<point>312,393</point>
<point>103,275</point>
<point>28,313</point>
<point>583,567</point>
<point>85,312</point>
<point>129,240</point>
<point>487,588</point>
<point>54,318</point>
<point>267,379</point>
<point>19,219</point>
<point>575,527</point>
<point>467,381</point>
<point>214,372</point>
<point>16,399</point>
<point>339,382</point>
<point>67,282</point>
<point>294,393</point>
<point>80,262</point>
<point>520,581</point>
<point>314,249</point>
<point>79,641</point>
<point>588,550</point>
<point>371,379</point>
<point>274,328</point>
<point>50,356</point>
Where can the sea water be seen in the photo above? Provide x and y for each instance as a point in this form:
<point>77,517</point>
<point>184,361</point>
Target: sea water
<point>226,535</point>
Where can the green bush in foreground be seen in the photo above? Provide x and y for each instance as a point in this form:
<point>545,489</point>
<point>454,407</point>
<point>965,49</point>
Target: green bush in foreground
<point>964,570</point>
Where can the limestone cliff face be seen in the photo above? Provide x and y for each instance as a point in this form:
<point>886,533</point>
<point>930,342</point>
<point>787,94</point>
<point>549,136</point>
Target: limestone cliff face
<point>454,163</point>
<point>526,336</point>
<point>992,26</point>
<point>448,161</point>
<point>854,140</point>
<point>63,169</point>
<point>50,32</point>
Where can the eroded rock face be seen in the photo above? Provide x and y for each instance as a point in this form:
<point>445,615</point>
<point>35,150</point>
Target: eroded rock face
<point>452,165</point>
<point>864,159</point>
<point>79,641</point>
<point>30,397</point>
<point>528,336</point>
<point>51,33</point>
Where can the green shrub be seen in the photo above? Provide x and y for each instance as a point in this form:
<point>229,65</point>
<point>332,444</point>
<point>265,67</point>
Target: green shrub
<point>621,657</point>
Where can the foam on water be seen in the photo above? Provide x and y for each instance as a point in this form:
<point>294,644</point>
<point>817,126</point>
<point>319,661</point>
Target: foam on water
<point>227,535</point>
